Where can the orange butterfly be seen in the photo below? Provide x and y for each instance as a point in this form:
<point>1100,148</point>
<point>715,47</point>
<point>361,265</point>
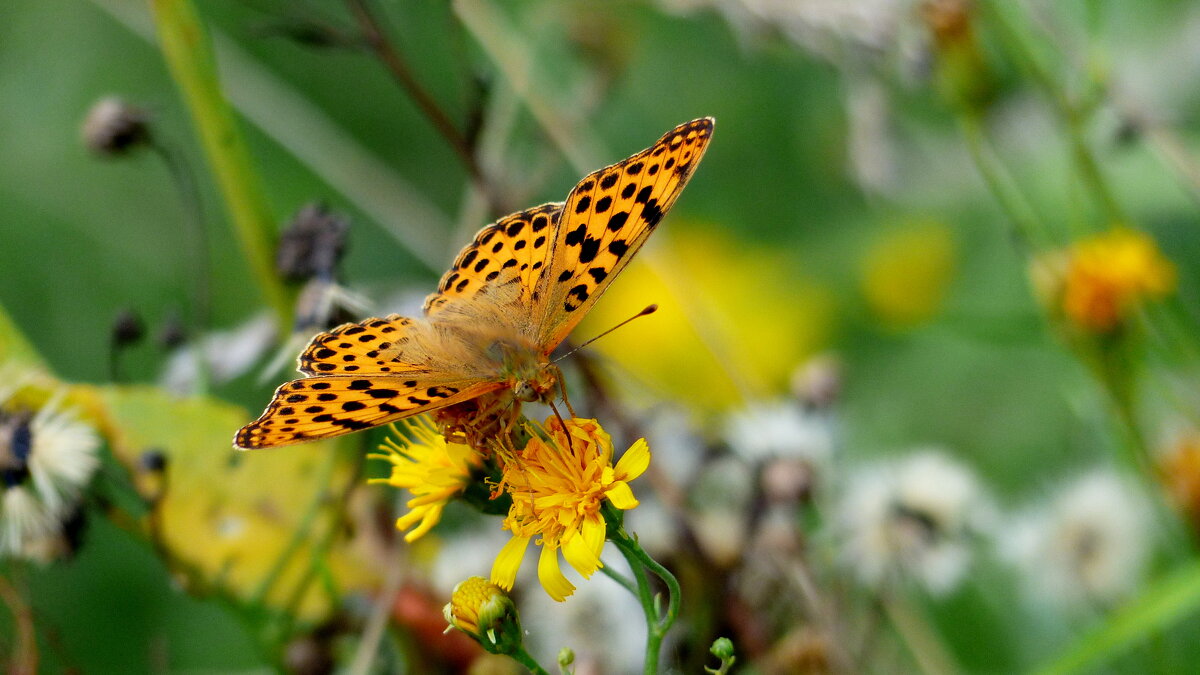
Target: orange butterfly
<point>509,299</point>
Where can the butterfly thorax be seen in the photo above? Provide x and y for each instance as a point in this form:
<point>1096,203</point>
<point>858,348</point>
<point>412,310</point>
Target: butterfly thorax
<point>524,368</point>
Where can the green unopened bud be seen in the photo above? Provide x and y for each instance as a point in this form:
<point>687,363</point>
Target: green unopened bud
<point>566,656</point>
<point>484,611</point>
<point>722,648</point>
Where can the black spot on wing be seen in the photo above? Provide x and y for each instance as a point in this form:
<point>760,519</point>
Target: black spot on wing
<point>575,237</point>
<point>652,213</point>
<point>589,249</point>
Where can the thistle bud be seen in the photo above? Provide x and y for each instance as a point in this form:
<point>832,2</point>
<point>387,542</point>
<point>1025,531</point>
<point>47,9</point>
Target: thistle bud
<point>127,328</point>
<point>312,244</point>
<point>113,127</point>
<point>484,611</point>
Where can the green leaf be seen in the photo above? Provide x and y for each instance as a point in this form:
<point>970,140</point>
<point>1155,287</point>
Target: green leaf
<point>241,523</point>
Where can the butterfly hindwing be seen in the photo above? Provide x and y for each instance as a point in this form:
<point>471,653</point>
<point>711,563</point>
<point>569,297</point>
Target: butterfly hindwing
<point>332,405</point>
<point>606,219</point>
<point>371,346</point>
<point>516,247</point>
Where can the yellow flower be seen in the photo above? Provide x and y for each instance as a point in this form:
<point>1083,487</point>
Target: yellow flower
<point>557,487</point>
<point>1109,275</point>
<point>484,611</point>
<point>907,273</point>
<point>433,470</point>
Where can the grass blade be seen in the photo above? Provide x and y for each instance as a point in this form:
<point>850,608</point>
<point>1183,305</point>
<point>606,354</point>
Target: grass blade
<point>1171,599</point>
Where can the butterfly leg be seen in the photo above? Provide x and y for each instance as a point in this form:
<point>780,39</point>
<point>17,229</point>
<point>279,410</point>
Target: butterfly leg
<point>562,390</point>
<point>570,445</point>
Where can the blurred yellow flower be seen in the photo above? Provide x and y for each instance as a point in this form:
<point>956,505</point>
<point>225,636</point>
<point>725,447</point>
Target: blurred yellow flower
<point>1179,472</point>
<point>429,467</point>
<point>558,486</point>
<point>1109,275</point>
<point>906,273</point>
<point>738,319</point>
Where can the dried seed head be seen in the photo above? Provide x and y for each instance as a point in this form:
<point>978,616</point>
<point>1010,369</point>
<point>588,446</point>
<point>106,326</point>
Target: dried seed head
<point>308,655</point>
<point>153,460</point>
<point>312,244</point>
<point>128,328</point>
<point>113,127</point>
<point>818,381</point>
<point>173,333</point>
<point>15,448</point>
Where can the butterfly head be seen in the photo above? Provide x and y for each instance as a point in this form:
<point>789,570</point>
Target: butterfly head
<point>538,387</point>
<point>527,371</point>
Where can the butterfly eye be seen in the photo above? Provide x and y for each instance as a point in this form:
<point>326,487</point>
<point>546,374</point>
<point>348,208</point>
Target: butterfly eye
<point>525,392</point>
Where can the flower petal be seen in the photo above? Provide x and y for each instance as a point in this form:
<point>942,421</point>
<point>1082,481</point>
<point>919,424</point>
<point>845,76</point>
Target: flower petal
<point>508,561</point>
<point>594,532</point>
<point>621,496</point>
<point>635,461</point>
<point>580,555</point>
<point>551,576</point>
<point>430,516</point>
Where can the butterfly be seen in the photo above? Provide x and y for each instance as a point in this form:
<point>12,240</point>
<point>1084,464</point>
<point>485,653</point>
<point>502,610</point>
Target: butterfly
<point>509,299</point>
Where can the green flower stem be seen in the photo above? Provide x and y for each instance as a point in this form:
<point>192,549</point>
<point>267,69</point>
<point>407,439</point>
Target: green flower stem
<point>1028,232</point>
<point>1072,115</point>
<point>319,552</point>
<point>307,522</point>
<point>189,56</point>
<point>921,639</point>
<point>625,582</point>
<point>523,657</point>
<point>657,621</point>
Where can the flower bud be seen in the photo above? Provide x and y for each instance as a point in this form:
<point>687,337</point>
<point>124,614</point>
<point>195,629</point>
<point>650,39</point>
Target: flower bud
<point>963,74</point>
<point>484,611</point>
<point>113,127</point>
<point>722,648</point>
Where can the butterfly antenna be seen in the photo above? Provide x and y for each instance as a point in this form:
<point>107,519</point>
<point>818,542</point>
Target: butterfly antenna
<point>650,309</point>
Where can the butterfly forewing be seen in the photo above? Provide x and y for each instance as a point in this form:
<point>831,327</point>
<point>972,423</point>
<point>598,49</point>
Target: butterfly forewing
<point>332,405</point>
<point>606,219</point>
<point>516,247</point>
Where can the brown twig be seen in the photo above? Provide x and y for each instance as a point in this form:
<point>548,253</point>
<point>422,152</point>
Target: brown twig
<point>25,656</point>
<point>379,43</point>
